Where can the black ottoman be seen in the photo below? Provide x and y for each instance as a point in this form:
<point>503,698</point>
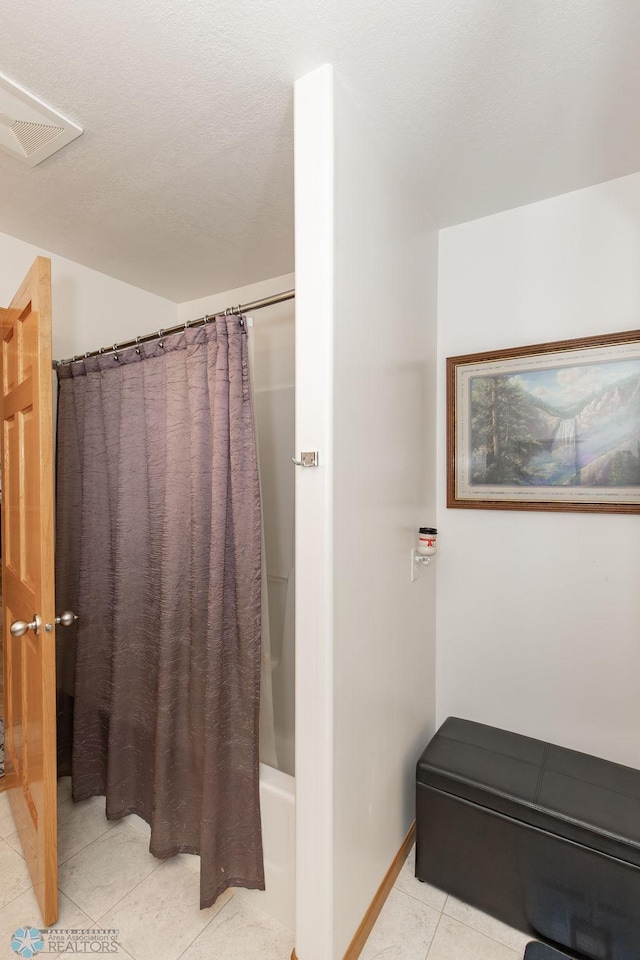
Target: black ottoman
<point>543,838</point>
<point>540,951</point>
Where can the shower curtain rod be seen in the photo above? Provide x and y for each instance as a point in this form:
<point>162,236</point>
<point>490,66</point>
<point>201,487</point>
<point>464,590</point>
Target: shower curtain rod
<point>230,311</point>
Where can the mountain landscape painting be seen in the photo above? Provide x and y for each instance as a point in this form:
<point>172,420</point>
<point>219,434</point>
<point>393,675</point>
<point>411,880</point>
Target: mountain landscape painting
<point>558,426</point>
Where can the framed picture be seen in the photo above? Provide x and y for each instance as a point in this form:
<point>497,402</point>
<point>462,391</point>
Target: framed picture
<point>554,426</point>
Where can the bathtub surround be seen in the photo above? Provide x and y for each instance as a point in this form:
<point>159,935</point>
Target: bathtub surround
<point>159,511</point>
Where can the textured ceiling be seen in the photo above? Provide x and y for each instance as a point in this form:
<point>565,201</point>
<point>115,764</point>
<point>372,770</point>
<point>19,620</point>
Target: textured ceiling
<point>182,183</point>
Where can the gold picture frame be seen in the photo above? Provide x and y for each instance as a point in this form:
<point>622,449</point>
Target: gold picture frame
<point>553,426</point>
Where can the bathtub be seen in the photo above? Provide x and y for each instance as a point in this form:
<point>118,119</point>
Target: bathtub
<point>277,807</point>
<point>274,404</point>
<point>277,787</point>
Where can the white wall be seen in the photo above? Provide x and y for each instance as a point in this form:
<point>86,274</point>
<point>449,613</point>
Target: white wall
<point>90,309</point>
<point>386,256</point>
<point>539,613</point>
<point>314,200</point>
<point>366,273</point>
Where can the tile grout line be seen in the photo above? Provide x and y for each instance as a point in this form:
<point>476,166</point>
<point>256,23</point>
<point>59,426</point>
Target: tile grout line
<point>419,900</point>
<point>62,863</point>
<point>94,923</point>
<point>14,833</point>
<point>110,826</point>
<point>470,926</point>
<point>101,837</point>
<point>416,900</point>
<point>433,938</point>
<point>81,849</point>
<point>206,927</point>
<point>129,892</point>
<point>77,906</point>
<point>9,847</point>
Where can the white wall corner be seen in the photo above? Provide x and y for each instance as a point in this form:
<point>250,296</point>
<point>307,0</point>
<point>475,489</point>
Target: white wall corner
<point>314,205</point>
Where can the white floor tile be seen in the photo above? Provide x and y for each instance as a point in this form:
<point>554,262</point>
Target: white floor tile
<point>14,874</point>
<point>482,922</point>
<point>455,941</point>
<point>24,912</point>
<point>81,950</point>
<point>13,840</point>
<point>64,789</point>
<point>7,826</point>
<point>424,892</point>
<point>135,821</point>
<point>161,917</point>
<point>103,872</point>
<point>80,824</point>
<point>404,930</point>
<point>242,932</point>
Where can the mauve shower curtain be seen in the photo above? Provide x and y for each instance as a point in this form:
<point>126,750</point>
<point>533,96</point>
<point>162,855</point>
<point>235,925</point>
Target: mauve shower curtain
<point>159,552</point>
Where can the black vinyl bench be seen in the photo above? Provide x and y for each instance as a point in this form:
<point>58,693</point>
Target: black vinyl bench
<point>543,838</point>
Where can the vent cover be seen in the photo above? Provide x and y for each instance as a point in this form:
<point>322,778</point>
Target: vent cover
<point>29,129</point>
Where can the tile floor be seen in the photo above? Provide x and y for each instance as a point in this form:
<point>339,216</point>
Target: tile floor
<point>419,922</point>
<point>109,880</point>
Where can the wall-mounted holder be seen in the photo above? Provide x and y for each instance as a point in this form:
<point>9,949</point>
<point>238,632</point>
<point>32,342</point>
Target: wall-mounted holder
<point>308,458</point>
<point>425,552</point>
<point>425,561</point>
<point>417,561</point>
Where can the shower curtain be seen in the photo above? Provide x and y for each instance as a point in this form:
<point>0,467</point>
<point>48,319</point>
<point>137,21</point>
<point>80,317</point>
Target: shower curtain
<point>159,552</point>
<point>268,752</point>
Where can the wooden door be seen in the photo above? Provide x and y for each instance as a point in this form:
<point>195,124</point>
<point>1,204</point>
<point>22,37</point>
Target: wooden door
<point>28,579</point>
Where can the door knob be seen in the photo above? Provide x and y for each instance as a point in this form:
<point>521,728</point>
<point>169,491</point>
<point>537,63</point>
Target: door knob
<point>64,620</point>
<point>19,627</point>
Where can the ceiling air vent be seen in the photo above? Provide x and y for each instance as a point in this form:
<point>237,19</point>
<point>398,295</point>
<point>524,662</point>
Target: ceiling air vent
<point>29,129</point>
